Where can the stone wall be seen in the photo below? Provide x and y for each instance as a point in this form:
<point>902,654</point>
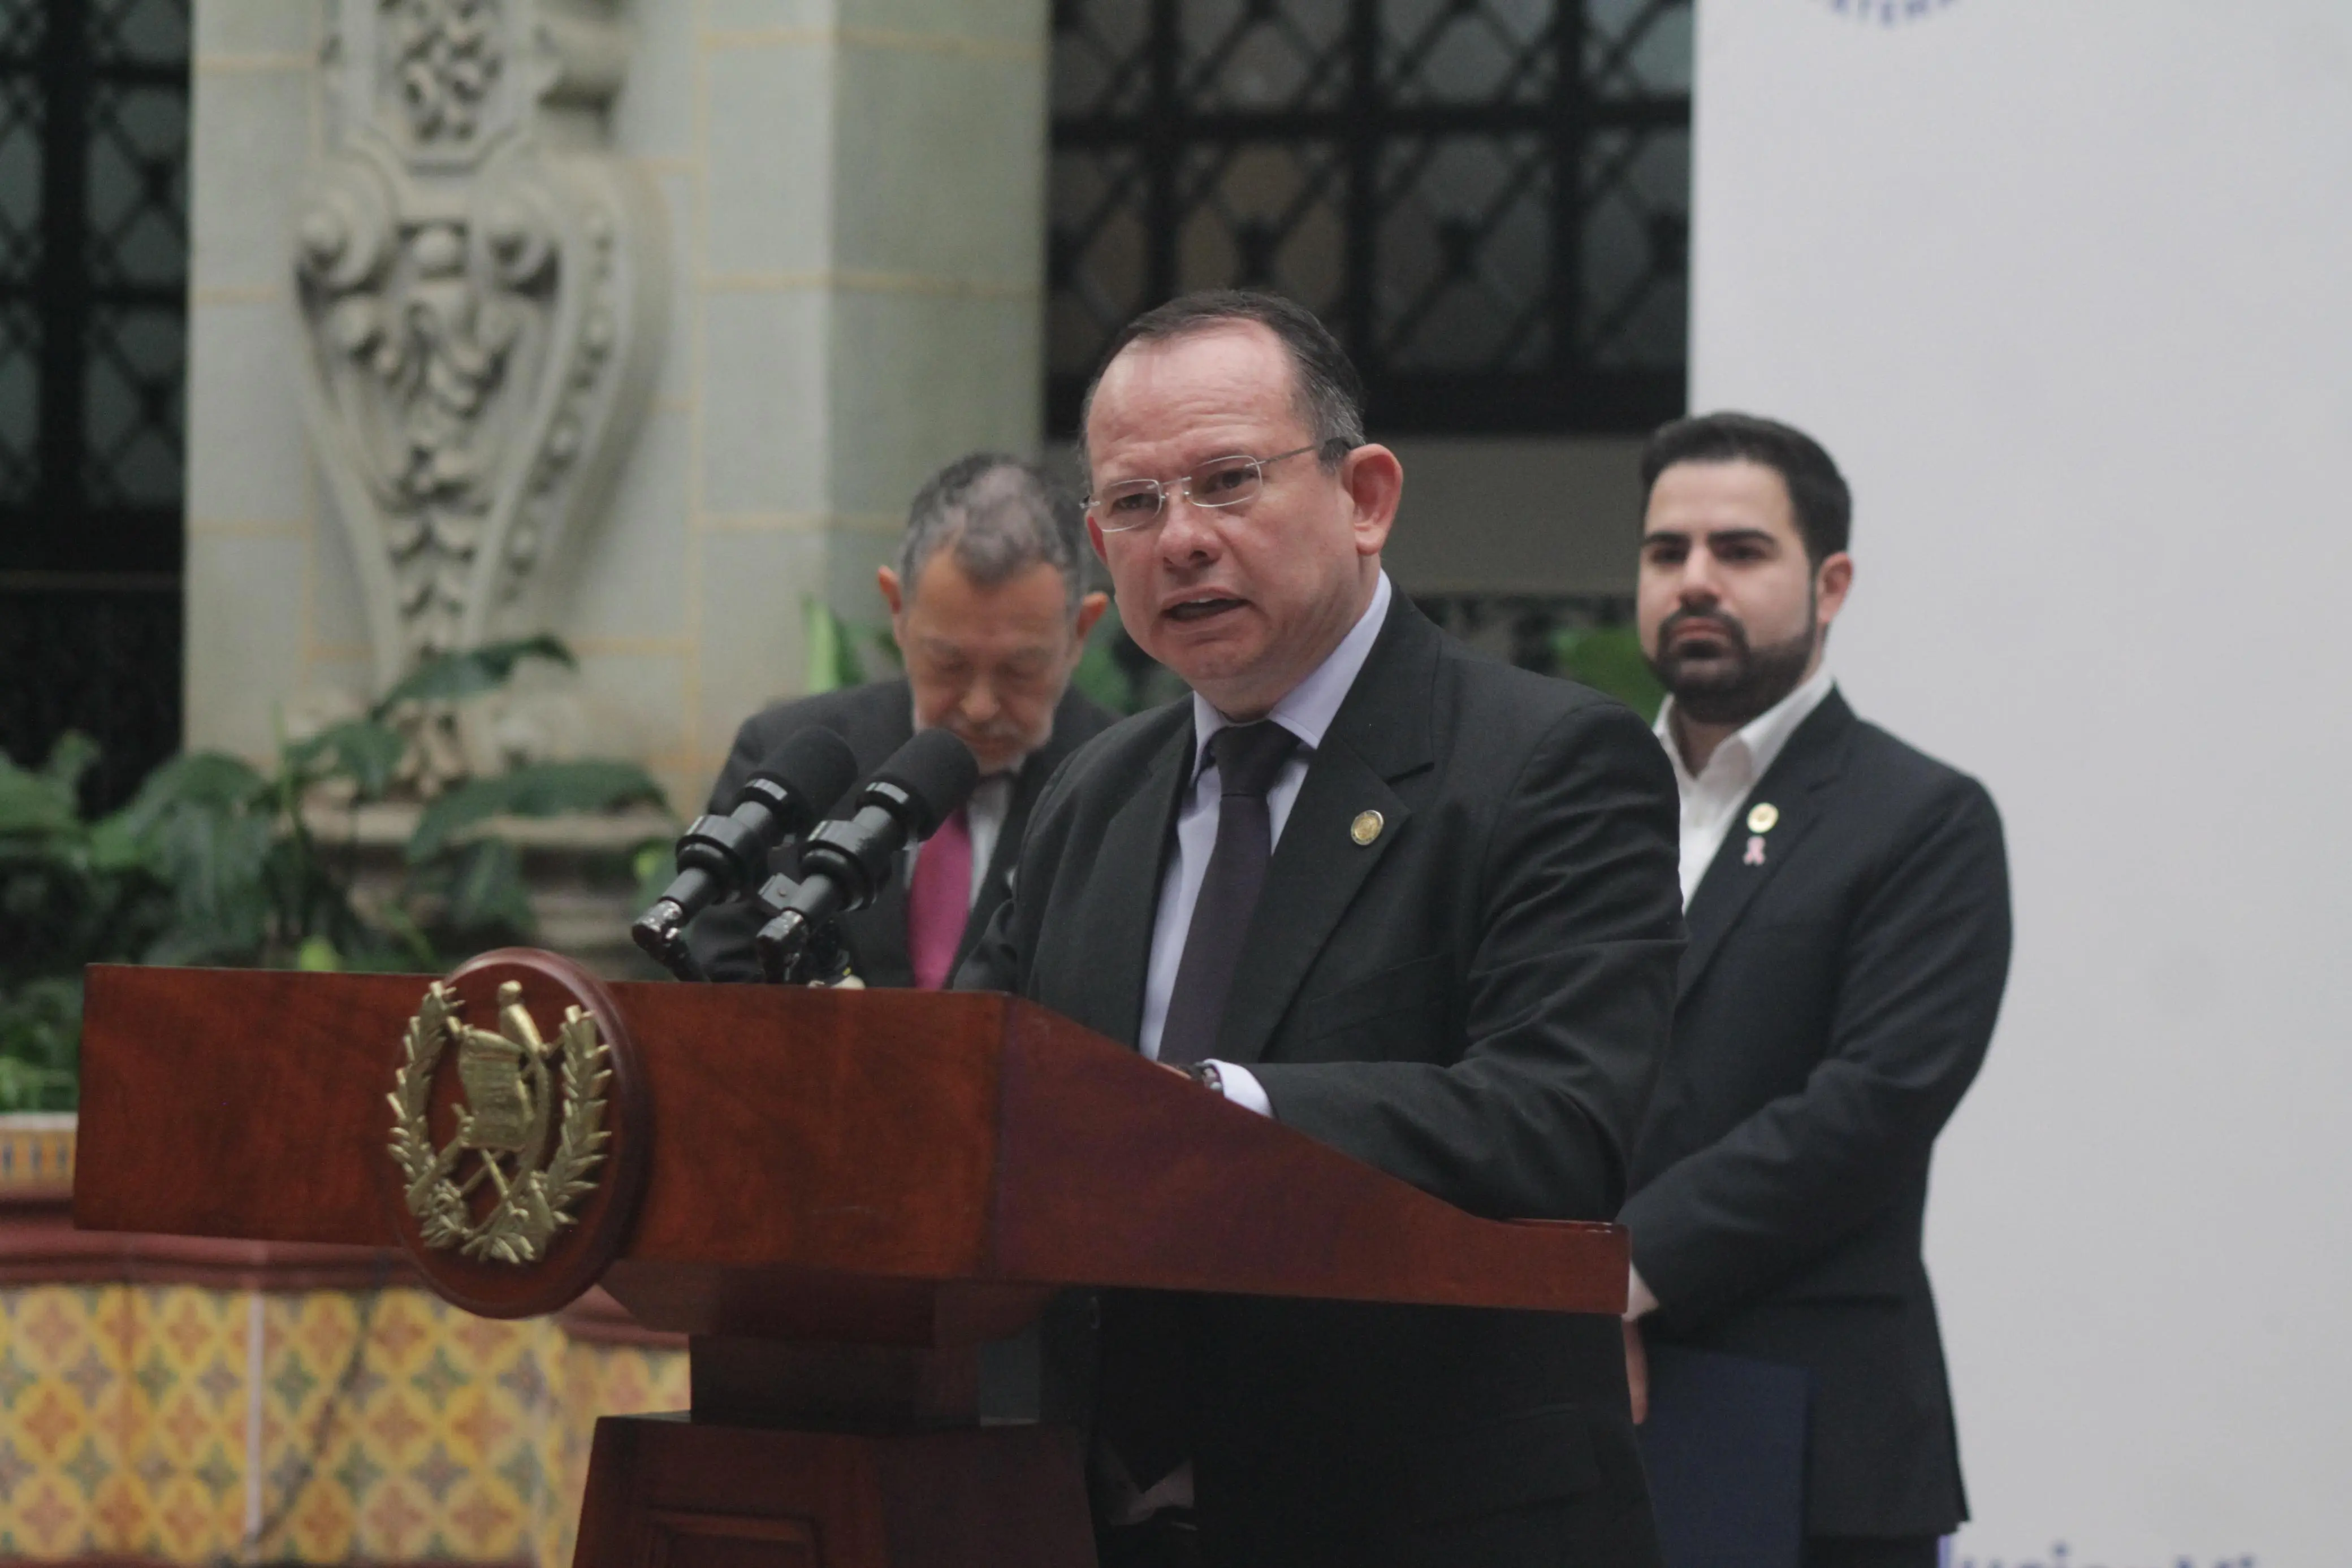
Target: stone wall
<point>847,202</point>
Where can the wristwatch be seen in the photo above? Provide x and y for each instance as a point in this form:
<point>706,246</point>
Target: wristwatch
<point>1205,1074</point>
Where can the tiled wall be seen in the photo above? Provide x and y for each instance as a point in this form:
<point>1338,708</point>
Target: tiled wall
<point>177,1424</point>
<point>853,191</point>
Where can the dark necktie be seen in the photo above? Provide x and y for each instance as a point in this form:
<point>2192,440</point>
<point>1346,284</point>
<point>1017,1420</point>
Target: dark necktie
<point>1248,757</point>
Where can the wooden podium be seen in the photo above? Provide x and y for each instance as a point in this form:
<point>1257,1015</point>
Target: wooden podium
<point>842,1195</point>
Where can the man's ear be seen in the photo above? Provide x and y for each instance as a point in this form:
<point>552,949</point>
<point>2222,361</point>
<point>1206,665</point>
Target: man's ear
<point>1090,610</point>
<point>889,582</point>
<point>1374,481</point>
<point>1832,583</point>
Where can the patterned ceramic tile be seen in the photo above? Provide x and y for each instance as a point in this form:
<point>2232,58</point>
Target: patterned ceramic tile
<point>379,1426</point>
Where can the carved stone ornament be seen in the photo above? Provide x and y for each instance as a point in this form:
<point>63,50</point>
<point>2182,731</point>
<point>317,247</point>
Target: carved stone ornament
<point>482,291</point>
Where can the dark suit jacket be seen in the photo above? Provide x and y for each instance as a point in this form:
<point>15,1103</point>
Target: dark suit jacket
<point>1476,1002</point>
<point>876,719</point>
<point>1835,1003</point>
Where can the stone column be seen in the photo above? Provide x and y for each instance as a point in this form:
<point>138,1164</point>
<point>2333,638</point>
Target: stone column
<point>869,236</point>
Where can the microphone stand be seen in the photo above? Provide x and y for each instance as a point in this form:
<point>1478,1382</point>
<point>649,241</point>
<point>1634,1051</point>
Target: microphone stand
<point>660,932</point>
<point>793,950</point>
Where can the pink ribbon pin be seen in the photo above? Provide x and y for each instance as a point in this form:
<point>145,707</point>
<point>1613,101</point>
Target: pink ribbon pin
<point>1755,850</point>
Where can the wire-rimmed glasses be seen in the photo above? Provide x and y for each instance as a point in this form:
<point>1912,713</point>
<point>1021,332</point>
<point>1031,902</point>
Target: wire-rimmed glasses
<point>1219,482</point>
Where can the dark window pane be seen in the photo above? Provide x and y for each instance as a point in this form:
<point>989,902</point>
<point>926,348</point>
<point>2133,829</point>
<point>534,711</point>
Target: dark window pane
<point>1252,55</point>
<point>20,176</point>
<point>1098,263</point>
<point>131,405</point>
<point>21,29</point>
<point>104,662</point>
<point>139,32</point>
<point>1487,200</point>
<point>138,186</point>
<point>1465,253</point>
<point>1638,46</point>
<point>1269,215</point>
<point>93,279</point>
<point>1100,57</point>
<point>19,403</point>
<point>1636,236</point>
<point>1442,51</point>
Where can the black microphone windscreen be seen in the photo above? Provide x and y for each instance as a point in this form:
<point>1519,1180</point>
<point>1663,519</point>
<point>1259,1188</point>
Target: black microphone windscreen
<point>816,765</point>
<point>938,771</point>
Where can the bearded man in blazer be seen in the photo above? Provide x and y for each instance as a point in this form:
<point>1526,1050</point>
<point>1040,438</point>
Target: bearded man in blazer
<point>1451,956</point>
<point>990,608</point>
<point>1848,905</point>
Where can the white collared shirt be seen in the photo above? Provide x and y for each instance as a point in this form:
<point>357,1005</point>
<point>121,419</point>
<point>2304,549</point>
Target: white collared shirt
<point>1307,712</point>
<point>1711,799</point>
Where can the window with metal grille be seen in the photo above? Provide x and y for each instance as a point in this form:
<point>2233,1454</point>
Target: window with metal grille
<point>1487,200</point>
<point>93,279</point>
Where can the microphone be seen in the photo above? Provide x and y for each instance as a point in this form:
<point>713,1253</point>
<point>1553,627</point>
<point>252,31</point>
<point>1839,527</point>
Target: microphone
<point>844,861</point>
<point>719,857</point>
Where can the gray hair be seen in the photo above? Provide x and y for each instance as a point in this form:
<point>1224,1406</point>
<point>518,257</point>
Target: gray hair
<point>1002,516</point>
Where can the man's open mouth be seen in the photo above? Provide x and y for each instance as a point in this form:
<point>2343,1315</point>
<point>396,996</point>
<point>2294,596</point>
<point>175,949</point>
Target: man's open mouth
<point>1202,608</point>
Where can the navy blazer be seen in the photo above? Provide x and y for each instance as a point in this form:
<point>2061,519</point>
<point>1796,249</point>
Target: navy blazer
<point>1834,1004</point>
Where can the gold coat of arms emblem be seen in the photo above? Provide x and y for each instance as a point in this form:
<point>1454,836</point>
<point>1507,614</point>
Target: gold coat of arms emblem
<point>528,1131</point>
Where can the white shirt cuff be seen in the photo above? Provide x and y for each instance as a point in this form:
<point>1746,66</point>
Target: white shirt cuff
<point>1241,1087</point>
<point>1639,1302</point>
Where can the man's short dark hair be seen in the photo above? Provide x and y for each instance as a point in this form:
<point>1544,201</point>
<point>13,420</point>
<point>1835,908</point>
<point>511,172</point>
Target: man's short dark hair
<point>1001,515</point>
<point>1817,491</point>
<point>1328,392</point>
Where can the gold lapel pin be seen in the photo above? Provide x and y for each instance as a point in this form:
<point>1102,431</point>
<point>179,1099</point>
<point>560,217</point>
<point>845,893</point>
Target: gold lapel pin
<point>1763,817</point>
<point>1367,827</point>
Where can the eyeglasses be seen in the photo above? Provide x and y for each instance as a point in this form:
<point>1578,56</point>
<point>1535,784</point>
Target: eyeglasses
<point>1219,482</point>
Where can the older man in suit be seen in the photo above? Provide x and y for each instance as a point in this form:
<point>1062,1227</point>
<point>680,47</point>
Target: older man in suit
<point>1848,940</point>
<point>989,605</point>
<point>1415,903</point>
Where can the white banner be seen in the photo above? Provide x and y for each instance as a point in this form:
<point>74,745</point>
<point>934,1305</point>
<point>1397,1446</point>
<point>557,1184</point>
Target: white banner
<point>2067,291</point>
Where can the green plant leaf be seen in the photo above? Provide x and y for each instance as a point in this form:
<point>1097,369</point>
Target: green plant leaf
<point>31,803</point>
<point>360,749</point>
<point>487,892</point>
<point>534,790</point>
<point>453,677</point>
<point>216,863</point>
<point>1610,659</point>
<point>211,781</point>
<point>1100,680</point>
<point>655,865</point>
<point>832,661</point>
<point>40,1041</point>
<point>74,754</point>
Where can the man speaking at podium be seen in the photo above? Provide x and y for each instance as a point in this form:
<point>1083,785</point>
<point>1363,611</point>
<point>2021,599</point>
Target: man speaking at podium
<point>1416,904</point>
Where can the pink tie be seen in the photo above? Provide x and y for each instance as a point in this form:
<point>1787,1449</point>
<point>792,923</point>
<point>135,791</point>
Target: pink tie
<point>939,900</point>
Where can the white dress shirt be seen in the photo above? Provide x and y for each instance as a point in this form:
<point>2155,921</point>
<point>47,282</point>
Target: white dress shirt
<point>1307,712</point>
<point>1711,799</point>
